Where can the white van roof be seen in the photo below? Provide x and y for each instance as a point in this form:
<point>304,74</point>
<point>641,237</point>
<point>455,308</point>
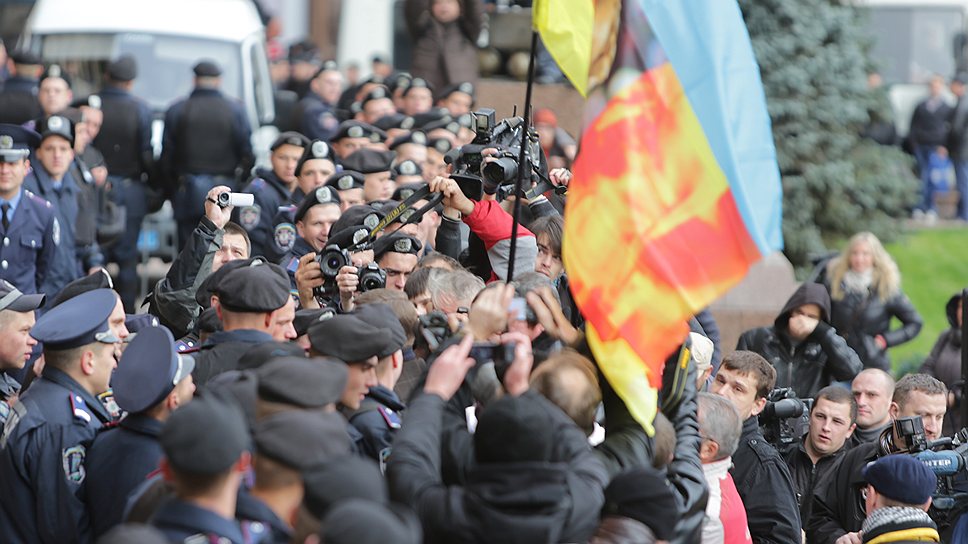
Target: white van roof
<point>229,20</point>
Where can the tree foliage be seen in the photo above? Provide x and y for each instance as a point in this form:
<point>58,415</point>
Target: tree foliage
<point>813,61</point>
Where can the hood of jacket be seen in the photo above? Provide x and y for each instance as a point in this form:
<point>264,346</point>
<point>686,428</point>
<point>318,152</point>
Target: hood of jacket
<point>807,293</point>
<point>951,312</point>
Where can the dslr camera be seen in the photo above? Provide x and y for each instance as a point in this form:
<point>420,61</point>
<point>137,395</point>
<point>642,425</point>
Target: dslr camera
<point>332,258</point>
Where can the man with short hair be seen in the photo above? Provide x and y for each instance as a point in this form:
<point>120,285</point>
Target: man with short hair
<point>314,218</point>
<point>397,254</point>
<point>832,418</point>
<point>375,167</point>
<point>151,382</point>
<point>418,97</point>
<point>54,92</point>
<point>873,389</point>
<point>720,428</point>
<point>898,495</point>
<point>375,105</point>
<point>763,480</point>
<point>315,115</point>
<point>838,512</point>
<point>18,98</point>
<point>16,344</point>
<point>44,444</point>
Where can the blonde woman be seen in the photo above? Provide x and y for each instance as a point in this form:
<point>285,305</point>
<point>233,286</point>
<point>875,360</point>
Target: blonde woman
<point>865,293</point>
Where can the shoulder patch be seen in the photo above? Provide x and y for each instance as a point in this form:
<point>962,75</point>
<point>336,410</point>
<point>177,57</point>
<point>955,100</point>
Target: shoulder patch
<point>285,236</point>
<point>391,418</point>
<point>107,399</point>
<point>73,459</point>
<point>79,408</point>
<point>249,216</point>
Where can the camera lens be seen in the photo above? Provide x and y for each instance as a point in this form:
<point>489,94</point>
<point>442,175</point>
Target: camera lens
<point>500,171</point>
<point>331,260</point>
<point>372,277</point>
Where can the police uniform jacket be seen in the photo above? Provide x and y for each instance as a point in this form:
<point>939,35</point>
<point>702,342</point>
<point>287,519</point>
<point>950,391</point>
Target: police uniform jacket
<point>764,483</point>
<point>315,119</point>
<point>221,352</point>
<point>269,193</point>
<point>283,233</point>
<point>206,133</point>
<point>377,420</point>
<point>838,506</point>
<point>125,136</point>
<point>43,454</point>
<point>807,476</point>
<point>27,246</point>
<point>120,459</point>
<point>66,205</point>
<point>9,388</point>
<point>259,523</point>
<point>180,521</point>
<point>18,101</point>
<point>290,261</point>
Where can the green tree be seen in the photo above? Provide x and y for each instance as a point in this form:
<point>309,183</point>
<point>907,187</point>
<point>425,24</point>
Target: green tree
<point>814,62</point>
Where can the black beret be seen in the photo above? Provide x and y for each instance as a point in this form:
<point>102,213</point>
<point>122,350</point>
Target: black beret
<point>93,101</point>
<point>381,316</point>
<point>317,149</point>
<point>434,115</point>
<point>207,68</point>
<point>348,338</point>
<point>369,161</point>
<point>55,70</point>
<point>376,93</point>
<point>203,294</point>
<point>290,138</point>
<point>465,87</point>
<point>97,280</point>
<point>133,532</point>
<point>399,80</point>
<point>262,354</point>
<point>514,429</point>
<point>450,125</point>
<point>307,383</point>
<point>342,479</point>
<point>136,323</point>
<point>125,68</point>
<point>261,287</point>
<point>353,129</point>
<point>645,495</point>
<point>328,66</point>
<point>406,168</point>
<point>361,214</point>
<point>406,190</point>
<point>238,386</point>
<point>302,440</point>
<point>415,137</point>
<point>307,316</point>
<point>396,242</point>
<point>362,522</point>
<point>442,145</point>
<point>394,120</point>
<point>319,195</point>
<point>149,370</point>
<point>56,125</point>
<point>346,180</point>
<point>26,57</point>
<point>348,237</point>
<point>901,478</point>
<point>418,83</point>
<point>206,436</point>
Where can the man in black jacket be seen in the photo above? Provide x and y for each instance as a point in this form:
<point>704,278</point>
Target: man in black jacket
<point>838,503</point>
<point>832,421</point>
<point>762,478</point>
<point>958,141</point>
<point>805,350</point>
<point>929,130</point>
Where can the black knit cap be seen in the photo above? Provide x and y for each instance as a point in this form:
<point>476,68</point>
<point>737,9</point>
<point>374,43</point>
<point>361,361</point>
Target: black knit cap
<point>644,494</point>
<point>512,430</point>
<point>298,381</point>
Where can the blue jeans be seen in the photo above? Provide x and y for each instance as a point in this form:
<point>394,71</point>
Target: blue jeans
<point>923,154</point>
<point>961,182</point>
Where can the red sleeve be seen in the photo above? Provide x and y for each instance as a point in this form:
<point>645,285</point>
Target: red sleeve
<point>492,224</point>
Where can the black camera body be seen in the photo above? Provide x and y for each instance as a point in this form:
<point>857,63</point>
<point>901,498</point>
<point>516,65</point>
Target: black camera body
<point>785,418</point>
<point>331,259</point>
<point>477,174</point>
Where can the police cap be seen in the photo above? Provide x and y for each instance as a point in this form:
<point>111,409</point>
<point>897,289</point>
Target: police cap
<point>260,287</point>
<point>381,316</point>
<point>394,121</point>
<point>353,129</point>
<point>317,149</point>
<point>149,370</point>
<point>328,66</point>
<point>376,93</point>
<point>396,242</point>
<point>369,161</point>
<point>465,87</point>
<point>207,68</point>
<point>124,68</point>
<point>418,83</point>
<point>405,168</point>
<point>55,70</point>
<point>406,190</point>
<point>97,280</point>
<point>80,321</point>
<point>399,80</point>
<point>56,125</point>
<point>307,383</point>
<point>206,436</point>
<point>432,116</point>
<point>203,294</point>
<point>415,137</point>
<point>348,237</point>
<point>307,316</point>
<point>450,125</point>
<point>16,142</point>
<point>348,338</point>
<point>442,145</point>
<point>12,299</point>
<point>319,195</point>
<point>361,214</point>
<point>290,138</point>
<point>25,57</point>
<point>136,323</point>
<point>346,180</point>
<point>342,479</point>
<point>901,478</point>
<point>261,354</point>
<point>300,439</point>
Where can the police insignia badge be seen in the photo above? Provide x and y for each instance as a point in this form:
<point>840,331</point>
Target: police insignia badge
<point>6,142</point>
<point>344,183</point>
<point>107,400</point>
<point>73,458</point>
<point>407,123</point>
<point>408,168</point>
<point>406,193</point>
<point>4,411</point>
<point>320,149</point>
<point>402,245</point>
<point>55,123</point>
<point>360,235</point>
<point>249,216</point>
<point>355,132</point>
<point>419,138</point>
<point>55,232</point>
<point>371,221</point>
<point>285,236</point>
<point>391,418</point>
<point>323,195</point>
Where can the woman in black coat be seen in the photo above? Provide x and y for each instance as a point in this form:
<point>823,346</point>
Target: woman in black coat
<point>865,294</point>
<point>944,363</point>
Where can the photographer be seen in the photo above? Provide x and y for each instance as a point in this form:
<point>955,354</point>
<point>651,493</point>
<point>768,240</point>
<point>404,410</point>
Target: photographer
<point>314,218</point>
<point>837,513</point>
<point>214,242</point>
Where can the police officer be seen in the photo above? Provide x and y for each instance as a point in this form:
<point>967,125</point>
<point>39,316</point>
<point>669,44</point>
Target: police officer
<point>349,186</point>
<point>44,444</point>
<point>375,105</point>
<point>397,254</point>
<point>29,230</point>
<point>378,417</point>
<point>418,97</point>
<point>314,168</point>
<point>151,382</point>
<point>74,203</point>
<point>206,446</point>
<point>206,143</point>
<point>54,91</point>
<point>375,167</point>
<point>18,100</point>
<point>351,136</point>
<point>271,189</point>
<point>457,99</point>
<point>16,344</point>
<point>125,141</point>
<point>315,115</point>
<point>315,216</point>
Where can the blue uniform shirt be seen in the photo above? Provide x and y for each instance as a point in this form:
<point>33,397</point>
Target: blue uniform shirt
<point>43,454</point>
<point>27,246</point>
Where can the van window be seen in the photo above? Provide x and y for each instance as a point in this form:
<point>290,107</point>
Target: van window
<point>164,62</point>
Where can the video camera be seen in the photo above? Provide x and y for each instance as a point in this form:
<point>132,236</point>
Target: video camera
<point>785,418</point>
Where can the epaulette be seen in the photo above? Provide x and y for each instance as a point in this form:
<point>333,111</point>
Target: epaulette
<point>37,199</point>
<point>79,408</point>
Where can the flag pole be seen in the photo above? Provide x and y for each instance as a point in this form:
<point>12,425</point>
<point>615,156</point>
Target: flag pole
<point>522,171</point>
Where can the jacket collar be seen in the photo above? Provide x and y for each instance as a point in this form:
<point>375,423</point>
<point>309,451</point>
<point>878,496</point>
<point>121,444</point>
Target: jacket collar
<point>249,336</point>
<point>61,378</point>
<point>142,424</point>
<point>190,518</point>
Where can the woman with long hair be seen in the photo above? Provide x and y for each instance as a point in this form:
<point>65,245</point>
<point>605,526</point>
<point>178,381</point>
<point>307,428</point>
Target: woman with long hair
<point>865,293</point>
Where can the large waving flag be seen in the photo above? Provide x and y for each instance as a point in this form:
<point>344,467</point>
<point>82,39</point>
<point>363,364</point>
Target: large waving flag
<point>676,192</point>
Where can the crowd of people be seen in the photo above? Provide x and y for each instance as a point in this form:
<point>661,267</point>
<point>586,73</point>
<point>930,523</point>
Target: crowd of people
<point>338,353</point>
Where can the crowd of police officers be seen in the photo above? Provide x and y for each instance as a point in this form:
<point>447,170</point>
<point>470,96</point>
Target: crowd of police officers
<point>359,368</point>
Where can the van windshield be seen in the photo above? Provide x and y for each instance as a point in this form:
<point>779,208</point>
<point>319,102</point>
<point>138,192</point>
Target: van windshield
<point>164,62</point>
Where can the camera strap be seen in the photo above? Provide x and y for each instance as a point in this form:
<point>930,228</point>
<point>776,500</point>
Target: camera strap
<point>405,213</point>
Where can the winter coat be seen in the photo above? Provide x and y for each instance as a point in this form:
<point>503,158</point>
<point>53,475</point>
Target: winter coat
<point>838,506</point>
<point>860,318</point>
<point>444,53</point>
<point>944,363</point>
<point>810,365</point>
<point>807,476</point>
